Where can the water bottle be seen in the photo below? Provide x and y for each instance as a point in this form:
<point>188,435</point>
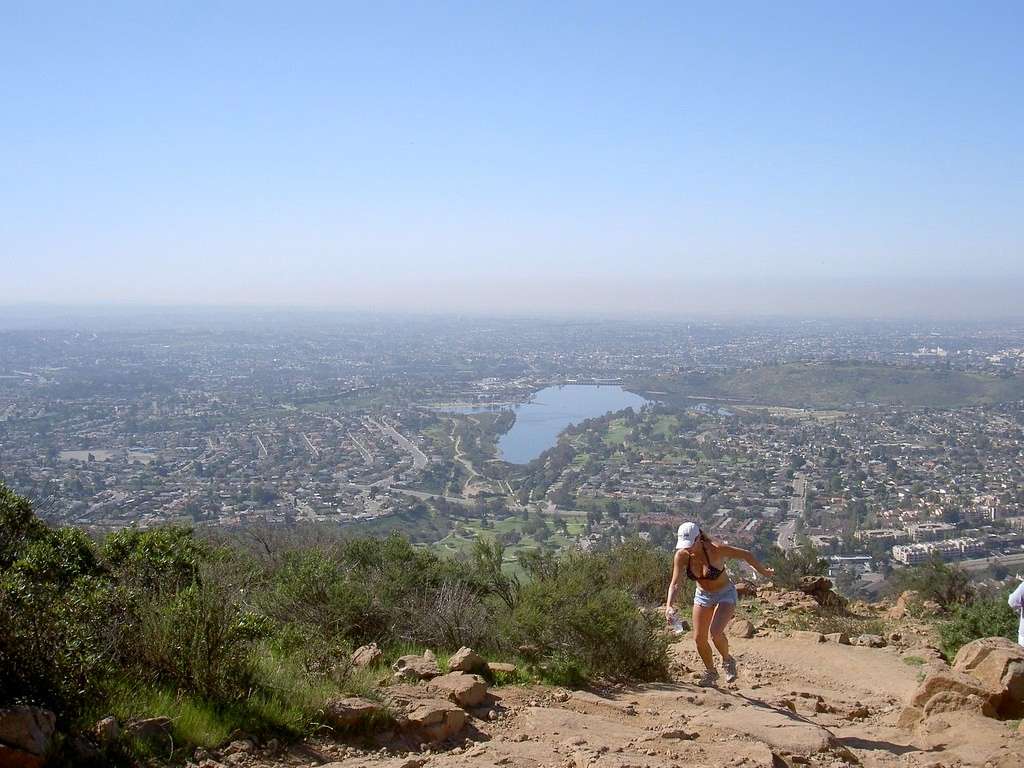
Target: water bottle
<point>677,624</point>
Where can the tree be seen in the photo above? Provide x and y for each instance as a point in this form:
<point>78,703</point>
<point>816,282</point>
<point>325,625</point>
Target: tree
<point>793,565</point>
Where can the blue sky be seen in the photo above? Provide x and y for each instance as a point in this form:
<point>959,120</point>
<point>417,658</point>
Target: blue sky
<point>510,156</point>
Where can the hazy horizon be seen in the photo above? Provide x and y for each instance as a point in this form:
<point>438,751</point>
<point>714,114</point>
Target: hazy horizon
<point>797,160</point>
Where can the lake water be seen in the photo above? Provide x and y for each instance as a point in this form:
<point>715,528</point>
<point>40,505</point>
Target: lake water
<point>539,422</point>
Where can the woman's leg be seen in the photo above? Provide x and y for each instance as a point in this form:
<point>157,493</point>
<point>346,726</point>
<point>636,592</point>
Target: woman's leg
<point>723,615</point>
<point>702,616</point>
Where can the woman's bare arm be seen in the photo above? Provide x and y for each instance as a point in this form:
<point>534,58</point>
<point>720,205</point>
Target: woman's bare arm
<point>678,568</point>
<point>747,557</point>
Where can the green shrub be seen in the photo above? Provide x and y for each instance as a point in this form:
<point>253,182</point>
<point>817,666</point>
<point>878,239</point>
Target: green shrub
<point>986,616</point>
<point>53,648</point>
<point>793,565</point>
<point>640,569</point>
<point>200,640</point>
<point>155,558</point>
<point>578,617</point>
<point>315,594</point>
<point>935,580</point>
<point>18,526</point>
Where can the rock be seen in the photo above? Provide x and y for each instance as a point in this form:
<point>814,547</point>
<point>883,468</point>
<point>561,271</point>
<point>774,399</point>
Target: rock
<point>366,655</point>
<point>413,668</point>
<point>840,638</point>
<point>500,667</point>
<point>678,733</point>
<point>746,589</point>
<point>467,660</point>
<point>999,664</point>
<point>953,682</point>
<point>741,628</point>
<point>778,730</point>
<point>869,641</point>
<point>241,747</point>
<point>347,713</point>
<point>909,717</point>
<point>820,588</point>
<point>465,690</point>
<point>903,603</point>
<point>957,702</point>
<point>149,728</point>
<point>435,719</point>
<point>27,729</point>
<point>19,758</point>
<point>814,637</point>
<point>107,730</point>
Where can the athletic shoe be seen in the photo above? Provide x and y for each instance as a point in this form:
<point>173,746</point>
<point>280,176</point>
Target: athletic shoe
<point>729,665</point>
<point>708,679</point>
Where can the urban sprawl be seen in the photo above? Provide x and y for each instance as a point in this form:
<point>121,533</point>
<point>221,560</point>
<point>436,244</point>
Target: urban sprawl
<point>882,444</point>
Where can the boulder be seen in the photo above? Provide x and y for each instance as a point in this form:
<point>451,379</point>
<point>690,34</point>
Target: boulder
<point>795,602</point>
<point>435,720</point>
<point>107,730</point>
<point>500,667</point>
<point>958,683</point>
<point>149,728</point>
<point>840,638</point>
<point>465,690</point>
<point>413,668</point>
<point>741,628</point>
<point>957,702</point>
<point>27,729</point>
<point>820,588</point>
<point>345,714</point>
<point>909,717</point>
<point>814,637</point>
<point>467,660</point>
<point>869,641</point>
<point>903,603</point>
<point>19,758</point>
<point>366,655</point>
<point>746,589</point>
<point>999,664</point>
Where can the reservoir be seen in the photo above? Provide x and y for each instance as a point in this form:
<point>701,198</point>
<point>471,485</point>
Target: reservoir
<point>549,411</point>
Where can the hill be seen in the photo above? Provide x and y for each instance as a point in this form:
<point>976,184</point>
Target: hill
<point>840,385</point>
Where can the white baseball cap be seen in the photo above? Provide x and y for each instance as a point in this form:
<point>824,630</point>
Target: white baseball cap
<point>687,535</point>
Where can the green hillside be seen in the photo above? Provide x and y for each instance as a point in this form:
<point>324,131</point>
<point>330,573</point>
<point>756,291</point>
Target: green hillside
<point>837,385</point>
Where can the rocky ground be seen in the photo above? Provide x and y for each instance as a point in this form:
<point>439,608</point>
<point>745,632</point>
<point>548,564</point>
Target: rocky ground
<point>797,702</point>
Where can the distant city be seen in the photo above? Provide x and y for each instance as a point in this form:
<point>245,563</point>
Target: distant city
<point>883,444</point>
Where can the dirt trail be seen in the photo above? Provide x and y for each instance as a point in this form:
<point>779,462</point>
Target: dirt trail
<point>796,703</point>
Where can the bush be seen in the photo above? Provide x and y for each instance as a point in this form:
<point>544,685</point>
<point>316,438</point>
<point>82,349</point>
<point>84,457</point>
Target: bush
<point>199,640</point>
<point>985,616</point>
<point>18,526</point>
<point>947,585</point>
<point>642,570</point>
<point>795,564</point>
<point>155,558</point>
<point>52,642</point>
<point>580,620</point>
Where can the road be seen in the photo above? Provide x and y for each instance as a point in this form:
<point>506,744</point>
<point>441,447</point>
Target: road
<point>786,539</point>
<point>367,458</point>
<point>1013,563</point>
<point>419,459</point>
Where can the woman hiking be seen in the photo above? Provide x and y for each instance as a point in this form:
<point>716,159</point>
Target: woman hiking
<point>714,601</point>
